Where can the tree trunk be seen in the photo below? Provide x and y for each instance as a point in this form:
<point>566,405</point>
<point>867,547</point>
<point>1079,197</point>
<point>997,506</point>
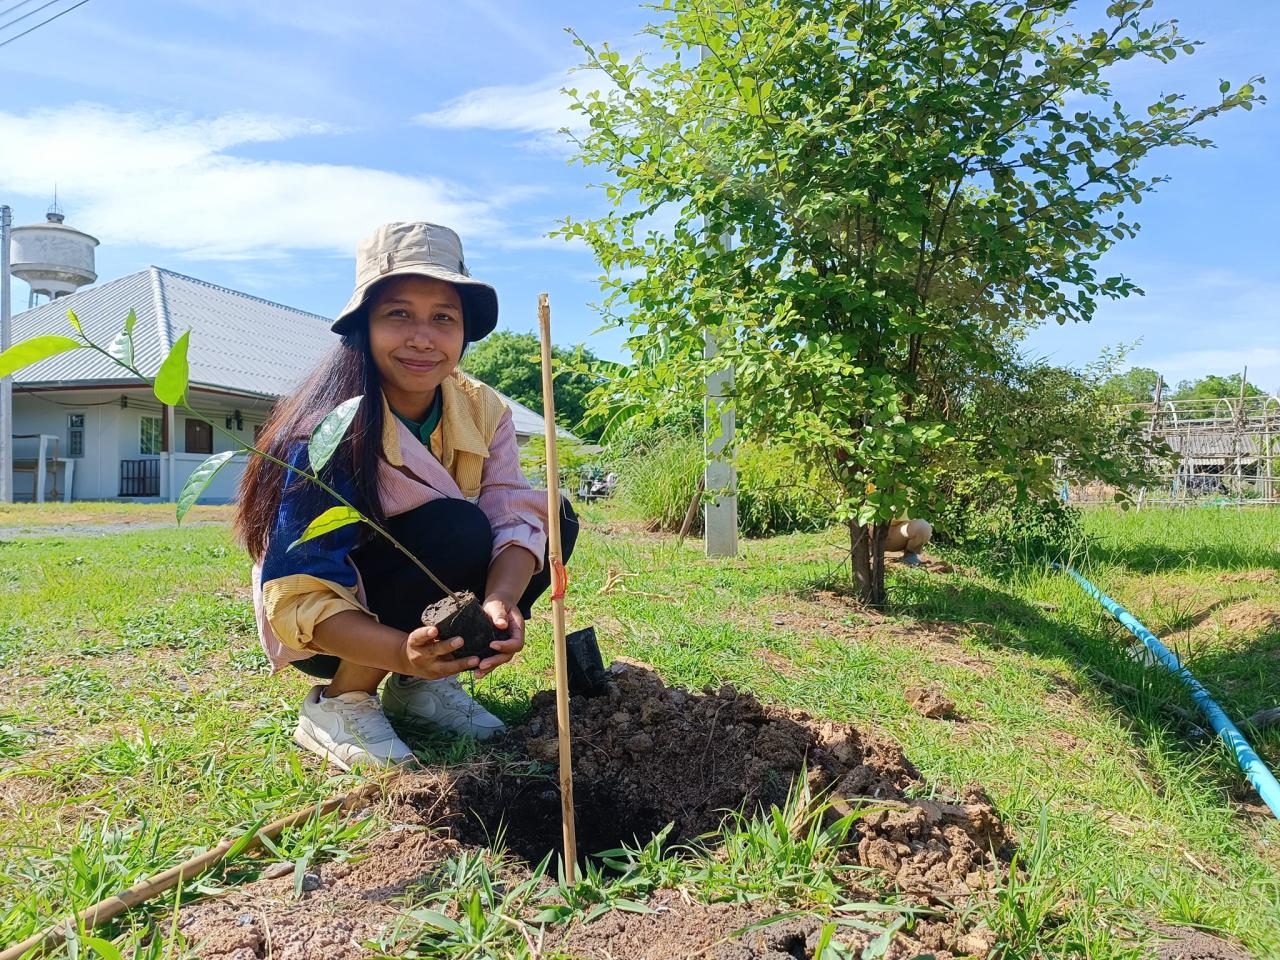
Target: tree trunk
<point>867,551</point>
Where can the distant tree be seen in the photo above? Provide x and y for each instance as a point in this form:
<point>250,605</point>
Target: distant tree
<point>1136,385</point>
<point>1209,390</point>
<point>1214,387</point>
<point>903,182</point>
<point>509,362</point>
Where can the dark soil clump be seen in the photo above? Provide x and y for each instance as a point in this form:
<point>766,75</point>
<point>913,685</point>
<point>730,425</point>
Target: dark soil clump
<point>462,616</point>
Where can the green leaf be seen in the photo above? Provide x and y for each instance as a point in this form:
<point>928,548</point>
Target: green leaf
<point>200,478</point>
<point>31,351</point>
<point>171,382</point>
<point>103,948</point>
<point>434,918</point>
<point>332,519</point>
<point>1224,86</point>
<point>130,321</point>
<point>330,431</point>
<point>75,322</point>
<point>245,839</point>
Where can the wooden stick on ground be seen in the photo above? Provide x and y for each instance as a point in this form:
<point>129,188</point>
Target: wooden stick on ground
<point>693,509</point>
<point>558,583</point>
<point>144,890</point>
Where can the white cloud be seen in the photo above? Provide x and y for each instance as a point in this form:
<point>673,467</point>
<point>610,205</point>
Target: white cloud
<point>530,108</point>
<point>170,181</point>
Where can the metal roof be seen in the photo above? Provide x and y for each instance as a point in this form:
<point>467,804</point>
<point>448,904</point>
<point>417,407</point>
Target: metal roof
<point>239,343</point>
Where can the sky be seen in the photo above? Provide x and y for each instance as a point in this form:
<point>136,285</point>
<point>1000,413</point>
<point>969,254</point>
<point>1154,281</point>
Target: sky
<point>251,143</point>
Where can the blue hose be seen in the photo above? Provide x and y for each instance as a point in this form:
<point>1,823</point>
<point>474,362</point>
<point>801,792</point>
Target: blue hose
<point>1262,779</point>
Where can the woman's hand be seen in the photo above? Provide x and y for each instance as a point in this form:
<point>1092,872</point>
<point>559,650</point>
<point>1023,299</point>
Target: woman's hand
<point>504,615</point>
<point>428,657</point>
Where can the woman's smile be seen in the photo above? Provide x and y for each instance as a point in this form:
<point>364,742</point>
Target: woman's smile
<point>418,364</point>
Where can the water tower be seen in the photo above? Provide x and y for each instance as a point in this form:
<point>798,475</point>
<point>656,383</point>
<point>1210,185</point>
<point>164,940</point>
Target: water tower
<point>52,258</point>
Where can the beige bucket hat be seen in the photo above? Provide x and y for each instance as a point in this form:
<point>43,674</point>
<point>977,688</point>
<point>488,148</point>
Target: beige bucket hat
<point>425,250</point>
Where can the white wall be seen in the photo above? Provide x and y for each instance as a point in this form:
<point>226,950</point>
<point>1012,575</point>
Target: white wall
<point>112,434</point>
<point>97,473</point>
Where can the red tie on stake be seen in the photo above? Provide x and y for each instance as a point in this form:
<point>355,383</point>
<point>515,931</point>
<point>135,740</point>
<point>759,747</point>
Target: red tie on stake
<point>560,585</point>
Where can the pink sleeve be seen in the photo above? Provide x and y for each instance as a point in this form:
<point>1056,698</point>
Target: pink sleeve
<point>517,512</point>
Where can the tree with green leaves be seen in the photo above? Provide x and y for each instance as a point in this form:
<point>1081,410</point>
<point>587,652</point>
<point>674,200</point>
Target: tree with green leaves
<point>905,186</point>
<point>1135,385</point>
<point>508,362</point>
<point>1214,387</point>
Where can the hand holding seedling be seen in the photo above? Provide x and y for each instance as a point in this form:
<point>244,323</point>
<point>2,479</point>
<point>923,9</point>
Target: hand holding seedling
<point>506,618</point>
<point>428,657</point>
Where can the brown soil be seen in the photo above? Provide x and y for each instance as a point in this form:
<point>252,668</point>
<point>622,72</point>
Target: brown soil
<point>930,702</point>
<point>1253,576</point>
<point>645,755</point>
<point>1185,943</point>
<point>1249,618</point>
<point>341,906</point>
<point>679,928</point>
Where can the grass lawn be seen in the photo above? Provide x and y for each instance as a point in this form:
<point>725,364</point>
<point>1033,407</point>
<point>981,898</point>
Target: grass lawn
<point>139,722</point>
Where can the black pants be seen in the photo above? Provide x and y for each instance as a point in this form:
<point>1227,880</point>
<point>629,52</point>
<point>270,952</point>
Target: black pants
<point>453,538</point>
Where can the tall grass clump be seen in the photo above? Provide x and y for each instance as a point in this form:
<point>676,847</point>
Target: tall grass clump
<point>776,494</point>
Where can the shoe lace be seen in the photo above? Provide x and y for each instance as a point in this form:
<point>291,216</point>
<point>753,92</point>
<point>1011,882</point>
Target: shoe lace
<point>367,721</point>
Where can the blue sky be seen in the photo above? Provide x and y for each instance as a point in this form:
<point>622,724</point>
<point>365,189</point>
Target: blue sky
<point>251,143</point>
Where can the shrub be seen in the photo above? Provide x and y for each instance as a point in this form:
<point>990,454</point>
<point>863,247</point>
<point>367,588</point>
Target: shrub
<point>990,522</point>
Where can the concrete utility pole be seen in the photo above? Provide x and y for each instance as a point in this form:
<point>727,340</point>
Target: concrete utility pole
<point>720,507</point>
<point>6,384</point>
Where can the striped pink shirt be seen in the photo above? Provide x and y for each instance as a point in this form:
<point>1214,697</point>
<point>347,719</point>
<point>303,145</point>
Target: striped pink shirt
<point>516,512</point>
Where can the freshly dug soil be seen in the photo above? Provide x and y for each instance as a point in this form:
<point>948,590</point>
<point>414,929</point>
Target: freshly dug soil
<point>645,755</point>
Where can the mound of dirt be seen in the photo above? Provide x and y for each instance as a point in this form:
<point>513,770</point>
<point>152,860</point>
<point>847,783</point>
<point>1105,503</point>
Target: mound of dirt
<point>645,755</point>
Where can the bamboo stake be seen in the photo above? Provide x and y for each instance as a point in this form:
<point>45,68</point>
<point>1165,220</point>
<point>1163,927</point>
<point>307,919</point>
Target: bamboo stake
<point>144,890</point>
<point>558,584</point>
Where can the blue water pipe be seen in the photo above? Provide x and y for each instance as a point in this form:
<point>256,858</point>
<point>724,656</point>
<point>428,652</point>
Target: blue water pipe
<point>1263,780</point>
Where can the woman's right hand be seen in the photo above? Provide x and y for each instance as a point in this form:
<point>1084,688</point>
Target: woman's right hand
<point>429,657</point>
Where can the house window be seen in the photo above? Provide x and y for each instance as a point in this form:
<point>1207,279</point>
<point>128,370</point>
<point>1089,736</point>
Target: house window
<point>151,436</point>
<point>199,437</point>
<point>75,434</point>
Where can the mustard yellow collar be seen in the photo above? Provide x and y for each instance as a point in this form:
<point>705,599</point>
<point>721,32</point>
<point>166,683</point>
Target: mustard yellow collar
<point>456,432</point>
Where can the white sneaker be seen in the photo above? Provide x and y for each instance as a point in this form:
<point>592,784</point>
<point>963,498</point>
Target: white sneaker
<point>349,730</point>
<point>442,703</point>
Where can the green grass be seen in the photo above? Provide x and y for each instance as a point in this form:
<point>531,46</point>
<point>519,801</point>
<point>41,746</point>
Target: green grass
<point>139,723</point>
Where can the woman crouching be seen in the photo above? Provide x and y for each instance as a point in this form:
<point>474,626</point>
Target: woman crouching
<point>432,456</point>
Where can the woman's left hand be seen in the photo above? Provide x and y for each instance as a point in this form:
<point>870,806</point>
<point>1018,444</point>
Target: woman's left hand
<point>505,616</point>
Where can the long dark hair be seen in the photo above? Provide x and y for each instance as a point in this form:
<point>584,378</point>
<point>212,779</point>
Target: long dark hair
<point>347,371</point>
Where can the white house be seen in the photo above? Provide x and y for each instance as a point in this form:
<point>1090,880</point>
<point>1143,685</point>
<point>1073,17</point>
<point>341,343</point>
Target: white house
<point>106,437</point>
